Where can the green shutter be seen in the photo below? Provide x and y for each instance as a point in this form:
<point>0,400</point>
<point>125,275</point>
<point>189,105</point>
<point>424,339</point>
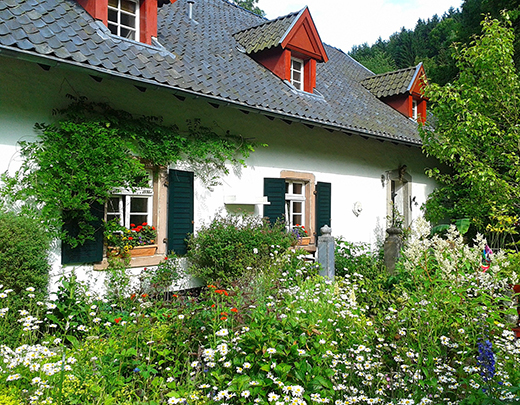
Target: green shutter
<point>274,189</point>
<point>323,212</point>
<point>92,250</point>
<point>180,210</point>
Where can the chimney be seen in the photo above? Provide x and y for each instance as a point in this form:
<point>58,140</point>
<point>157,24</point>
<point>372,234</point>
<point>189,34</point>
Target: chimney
<point>190,8</point>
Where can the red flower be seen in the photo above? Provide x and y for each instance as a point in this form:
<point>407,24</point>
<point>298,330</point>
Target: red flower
<point>223,313</point>
<point>144,295</point>
<point>132,296</point>
<point>117,320</point>
<point>132,225</point>
<point>174,295</point>
<point>130,238</point>
<point>211,286</point>
<point>212,305</point>
<point>145,223</point>
<point>153,227</point>
<point>234,310</point>
<point>223,318</point>
<point>166,258</point>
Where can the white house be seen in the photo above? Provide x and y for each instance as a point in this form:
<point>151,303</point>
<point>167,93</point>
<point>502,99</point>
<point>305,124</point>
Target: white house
<point>337,154</point>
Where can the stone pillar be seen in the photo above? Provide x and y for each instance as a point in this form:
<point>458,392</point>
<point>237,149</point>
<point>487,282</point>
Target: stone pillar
<point>326,253</point>
<point>392,247</point>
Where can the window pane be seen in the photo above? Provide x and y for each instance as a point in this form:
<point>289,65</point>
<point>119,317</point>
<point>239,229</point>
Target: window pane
<point>138,204</point>
<point>112,3</point>
<point>126,33</point>
<point>127,5</point>
<point>297,220</point>
<point>112,16</point>
<point>297,77</point>
<point>128,20</point>
<point>112,28</point>
<point>138,219</point>
<point>297,188</point>
<point>113,205</point>
<point>110,217</point>
<point>296,65</point>
<point>297,207</point>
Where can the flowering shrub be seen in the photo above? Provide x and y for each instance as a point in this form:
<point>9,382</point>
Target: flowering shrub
<point>232,246</point>
<point>439,334</point>
<point>123,239</point>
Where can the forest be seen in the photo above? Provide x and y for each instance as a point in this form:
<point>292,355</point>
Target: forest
<point>434,41</point>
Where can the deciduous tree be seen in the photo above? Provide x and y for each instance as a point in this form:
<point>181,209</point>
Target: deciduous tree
<point>476,133</point>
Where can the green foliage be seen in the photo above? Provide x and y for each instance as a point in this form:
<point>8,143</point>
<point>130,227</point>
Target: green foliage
<point>24,249</point>
<point>355,258</point>
<point>92,149</point>
<point>429,43</point>
<point>477,134</point>
<point>233,245</point>
<point>158,280</point>
<point>250,5</point>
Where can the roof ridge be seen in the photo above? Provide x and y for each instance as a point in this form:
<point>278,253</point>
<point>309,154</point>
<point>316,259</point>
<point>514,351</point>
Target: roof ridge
<point>392,72</point>
<point>268,21</point>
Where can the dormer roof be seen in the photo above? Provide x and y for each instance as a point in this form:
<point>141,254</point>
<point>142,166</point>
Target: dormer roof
<point>295,31</point>
<point>399,82</point>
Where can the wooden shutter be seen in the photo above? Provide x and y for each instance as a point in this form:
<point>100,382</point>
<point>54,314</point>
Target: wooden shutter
<point>274,189</point>
<point>92,250</point>
<point>323,211</point>
<point>180,210</point>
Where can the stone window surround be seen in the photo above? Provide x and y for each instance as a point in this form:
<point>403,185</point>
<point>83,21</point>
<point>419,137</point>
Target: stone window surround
<point>160,221</point>
<point>310,202</point>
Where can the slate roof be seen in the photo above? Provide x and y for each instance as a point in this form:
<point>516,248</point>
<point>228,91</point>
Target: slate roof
<point>391,83</point>
<point>268,34</point>
<point>200,56</point>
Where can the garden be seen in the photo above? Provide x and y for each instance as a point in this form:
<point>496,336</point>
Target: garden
<point>438,331</point>
<point>266,328</point>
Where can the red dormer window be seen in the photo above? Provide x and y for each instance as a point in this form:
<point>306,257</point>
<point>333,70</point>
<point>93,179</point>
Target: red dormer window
<point>132,19</point>
<point>288,46</point>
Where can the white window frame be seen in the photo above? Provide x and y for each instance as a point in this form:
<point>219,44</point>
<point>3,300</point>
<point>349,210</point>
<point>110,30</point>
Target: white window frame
<point>291,198</point>
<point>119,26</point>
<point>298,84</point>
<point>415,105</point>
<point>125,199</point>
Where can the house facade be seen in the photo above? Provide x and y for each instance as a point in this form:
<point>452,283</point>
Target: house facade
<point>336,154</point>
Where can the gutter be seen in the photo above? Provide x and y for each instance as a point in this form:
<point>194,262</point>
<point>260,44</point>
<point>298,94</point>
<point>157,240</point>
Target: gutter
<point>28,56</point>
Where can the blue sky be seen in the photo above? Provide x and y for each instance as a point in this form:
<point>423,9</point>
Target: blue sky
<point>344,23</point>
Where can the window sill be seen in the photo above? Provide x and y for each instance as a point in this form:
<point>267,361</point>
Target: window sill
<point>142,261</point>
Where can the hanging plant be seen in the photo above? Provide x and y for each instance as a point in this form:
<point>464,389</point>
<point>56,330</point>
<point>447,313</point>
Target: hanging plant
<point>92,149</point>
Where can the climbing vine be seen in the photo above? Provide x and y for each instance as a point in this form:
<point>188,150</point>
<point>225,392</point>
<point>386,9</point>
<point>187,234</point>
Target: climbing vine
<point>91,149</point>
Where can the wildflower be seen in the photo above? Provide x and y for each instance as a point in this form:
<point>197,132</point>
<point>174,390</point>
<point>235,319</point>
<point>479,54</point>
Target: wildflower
<point>222,332</point>
<point>234,310</point>
<point>181,316</point>
<point>245,394</point>
<point>486,360</point>
<point>271,350</point>
<point>117,320</point>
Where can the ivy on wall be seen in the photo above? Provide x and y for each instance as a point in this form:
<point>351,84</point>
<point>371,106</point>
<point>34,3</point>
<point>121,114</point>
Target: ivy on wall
<point>92,149</point>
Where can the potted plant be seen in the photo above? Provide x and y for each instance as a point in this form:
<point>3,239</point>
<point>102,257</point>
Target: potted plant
<point>139,240</point>
<point>301,234</point>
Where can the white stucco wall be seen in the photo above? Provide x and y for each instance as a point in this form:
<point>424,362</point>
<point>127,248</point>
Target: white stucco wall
<point>352,164</point>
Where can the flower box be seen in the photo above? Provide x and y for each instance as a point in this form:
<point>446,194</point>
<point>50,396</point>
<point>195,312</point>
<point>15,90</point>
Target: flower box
<point>144,250</point>
<point>304,241</point>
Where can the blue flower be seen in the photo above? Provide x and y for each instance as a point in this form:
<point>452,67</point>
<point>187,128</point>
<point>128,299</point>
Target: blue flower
<point>486,360</point>
<point>136,370</point>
